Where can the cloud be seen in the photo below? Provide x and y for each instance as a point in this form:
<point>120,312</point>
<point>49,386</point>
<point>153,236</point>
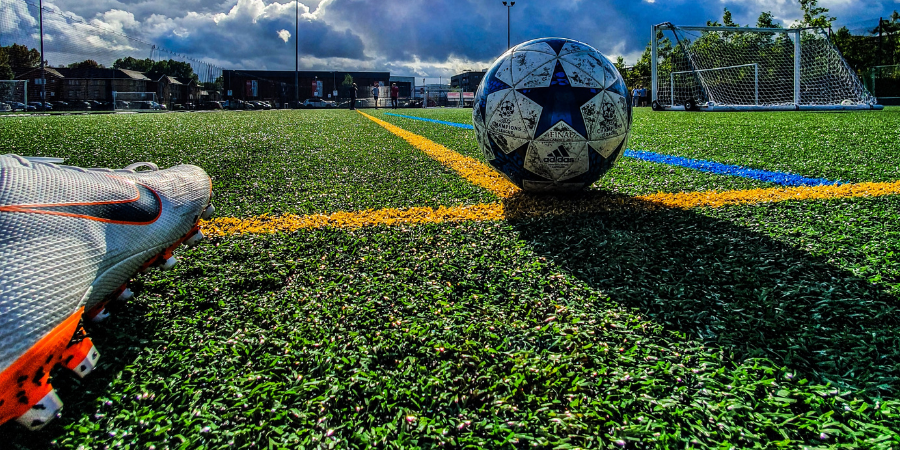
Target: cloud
<point>414,37</point>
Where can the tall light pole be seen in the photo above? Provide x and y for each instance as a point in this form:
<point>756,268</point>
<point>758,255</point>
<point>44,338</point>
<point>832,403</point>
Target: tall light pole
<point>296,50</point>
<point>43,76</point>
<point>508,6</point>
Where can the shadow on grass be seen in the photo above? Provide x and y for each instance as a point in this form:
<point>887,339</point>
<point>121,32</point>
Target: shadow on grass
<point>120,340</point>
<point>723,284</point>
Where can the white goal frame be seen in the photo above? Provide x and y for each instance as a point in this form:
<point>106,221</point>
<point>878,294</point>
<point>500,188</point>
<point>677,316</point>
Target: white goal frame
<point>861,100</point>
<point>13,83</point>
<point>145,96</point>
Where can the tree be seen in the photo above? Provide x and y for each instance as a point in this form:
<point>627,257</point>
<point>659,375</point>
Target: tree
<point>6,73</point>
<point>156,69</point>
<point>86,64</point>
<point>813,15</point>
<point>766,20</point>
<point>21,56</point>
<point>217,85</point>
<point>348,82</point>
<point>726,21</point>
<point>129,63</point>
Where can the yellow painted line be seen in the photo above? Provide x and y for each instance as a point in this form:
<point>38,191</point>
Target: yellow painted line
<point>516,204</point>
<point>524,205</point>
<point>471,169</point>
<point>287,223</point>
<point>717,199</point>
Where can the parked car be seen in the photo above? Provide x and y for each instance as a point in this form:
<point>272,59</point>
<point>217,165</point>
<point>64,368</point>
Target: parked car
<point>98,105</point>
<point>37,106</point>
<point>122,104</point>
<point>5,107</point>
<point>212,105</point>
<point>19,106</point>
<point>317,103</point>
<point>360,103</point>
<point>146,104</point>
<point>234,104</point>
<point>418,103</point>
<point>60,105</point>
<point>79,105</point>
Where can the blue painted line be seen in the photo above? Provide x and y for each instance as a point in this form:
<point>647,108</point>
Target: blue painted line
<point>452,124</point>
<point>782,178</point>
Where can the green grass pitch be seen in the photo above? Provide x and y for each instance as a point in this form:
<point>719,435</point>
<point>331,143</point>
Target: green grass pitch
<point>756,326</point>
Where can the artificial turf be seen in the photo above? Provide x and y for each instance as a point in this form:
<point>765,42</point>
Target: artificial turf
<point>753,326</point>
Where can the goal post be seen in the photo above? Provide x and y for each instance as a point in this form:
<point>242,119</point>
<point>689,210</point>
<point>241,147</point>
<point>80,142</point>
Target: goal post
<point>746,69</point>
<point>132,100</point>
<point>14,92</point>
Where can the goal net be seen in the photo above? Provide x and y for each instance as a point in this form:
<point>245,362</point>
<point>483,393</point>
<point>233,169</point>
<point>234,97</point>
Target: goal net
<point>133,100</point>
<point>13,92</point>
<point>739,68</point>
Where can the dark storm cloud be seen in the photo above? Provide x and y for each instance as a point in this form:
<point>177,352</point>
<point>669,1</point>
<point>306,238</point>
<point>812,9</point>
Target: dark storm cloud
<point>415,37</point>
<point>239,40</point>
<point>477,30</point>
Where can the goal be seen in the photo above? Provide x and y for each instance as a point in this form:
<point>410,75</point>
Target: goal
<point>746,69</point>
<point>14,92</point>
<point>134,100</point>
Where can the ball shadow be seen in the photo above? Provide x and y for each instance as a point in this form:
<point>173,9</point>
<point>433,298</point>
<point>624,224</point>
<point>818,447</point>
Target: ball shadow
<point>722,284</point>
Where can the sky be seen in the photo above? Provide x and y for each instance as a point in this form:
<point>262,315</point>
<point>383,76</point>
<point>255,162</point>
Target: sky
<point>421,38</point>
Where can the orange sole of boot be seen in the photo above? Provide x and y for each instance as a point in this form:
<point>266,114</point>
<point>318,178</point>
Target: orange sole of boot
<point>25,383</point>
<point>25,387</point>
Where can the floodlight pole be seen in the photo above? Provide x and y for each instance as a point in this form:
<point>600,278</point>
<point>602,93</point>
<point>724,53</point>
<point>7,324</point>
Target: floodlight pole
<point>43,76</point>
<point>508,6</point>
<point>296,50</point>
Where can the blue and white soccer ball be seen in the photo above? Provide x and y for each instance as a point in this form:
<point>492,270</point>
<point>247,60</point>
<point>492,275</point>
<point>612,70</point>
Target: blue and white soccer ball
<point>552,114</point>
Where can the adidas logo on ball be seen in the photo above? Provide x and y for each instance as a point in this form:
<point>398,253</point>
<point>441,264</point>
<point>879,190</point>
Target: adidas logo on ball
<point>560,155</point>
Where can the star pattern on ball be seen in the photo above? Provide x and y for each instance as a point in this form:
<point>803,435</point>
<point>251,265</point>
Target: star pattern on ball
<point>560,102</point>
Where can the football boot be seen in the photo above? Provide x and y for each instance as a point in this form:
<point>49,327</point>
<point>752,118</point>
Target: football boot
<point>70,239</point>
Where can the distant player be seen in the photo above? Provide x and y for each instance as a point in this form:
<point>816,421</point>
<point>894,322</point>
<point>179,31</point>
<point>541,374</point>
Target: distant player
<point>375,94</point>
<point>635,96</point>
<point>395,95</point>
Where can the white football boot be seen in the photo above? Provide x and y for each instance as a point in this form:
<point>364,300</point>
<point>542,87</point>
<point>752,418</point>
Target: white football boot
<point>70,239</point>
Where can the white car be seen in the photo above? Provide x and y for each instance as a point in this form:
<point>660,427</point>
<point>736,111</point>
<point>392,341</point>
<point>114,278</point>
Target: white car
<point>317,103</point>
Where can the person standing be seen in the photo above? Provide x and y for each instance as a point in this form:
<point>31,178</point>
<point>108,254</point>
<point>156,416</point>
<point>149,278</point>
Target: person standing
<point>643,96</point>
<point>395,94</point>
<point>353,96</point>
<point>635,97</point>
<point>375,94</point>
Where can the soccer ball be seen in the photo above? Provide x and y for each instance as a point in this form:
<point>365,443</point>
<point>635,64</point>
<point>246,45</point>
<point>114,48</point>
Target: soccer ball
<point>552,114</point>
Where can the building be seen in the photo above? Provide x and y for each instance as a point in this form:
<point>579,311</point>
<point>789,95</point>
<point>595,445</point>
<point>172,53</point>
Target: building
<point>85,84</point>
<point>278,85</point>
<point>467,81</point>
